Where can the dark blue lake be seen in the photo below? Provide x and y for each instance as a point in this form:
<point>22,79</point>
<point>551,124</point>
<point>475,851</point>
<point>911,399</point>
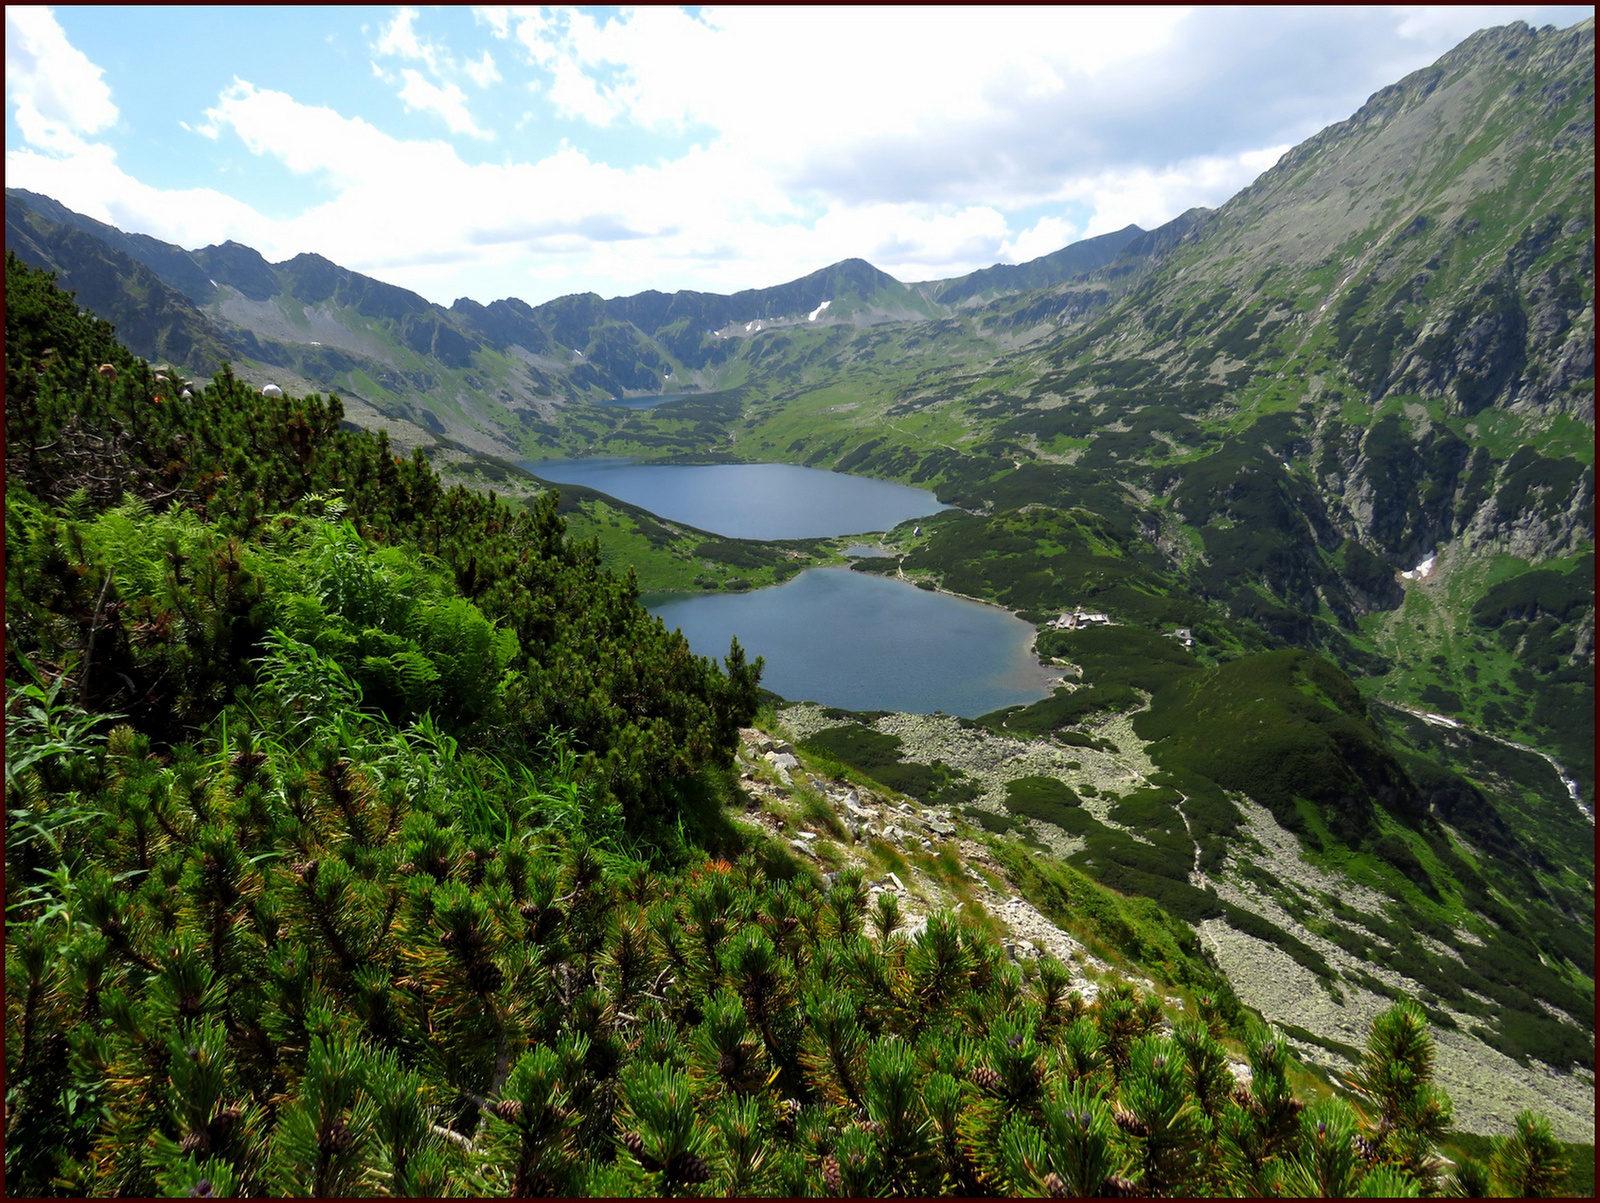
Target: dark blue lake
<point>748,501</point>
<point>863,642</point>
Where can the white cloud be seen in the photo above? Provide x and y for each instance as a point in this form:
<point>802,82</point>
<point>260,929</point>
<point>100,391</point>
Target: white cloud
<point>307,138</point>
<point>448,102</point>
<point>814,135</point>
<point>1045,235</point>
<point>912,241</point>
<point>483,71</point>
<point>577,95</point>
<point>438,95</point>
<point>57,95</point>
<point>496,16</point>
<point>90,182</point>
<point>399,38</point>
<point>1149,198</point>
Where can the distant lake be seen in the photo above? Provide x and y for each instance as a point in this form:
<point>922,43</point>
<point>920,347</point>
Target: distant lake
<point>748,501</point>
<point>646,402</point>
<point>862,642</point>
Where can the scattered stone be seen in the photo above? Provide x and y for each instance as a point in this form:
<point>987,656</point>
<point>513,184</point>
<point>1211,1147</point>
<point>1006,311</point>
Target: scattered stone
<point>896,882</point>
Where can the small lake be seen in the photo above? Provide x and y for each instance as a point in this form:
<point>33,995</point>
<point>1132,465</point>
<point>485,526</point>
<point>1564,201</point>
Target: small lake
<point>863,642</point>
<point>747,501</point>
<point>645,402</point>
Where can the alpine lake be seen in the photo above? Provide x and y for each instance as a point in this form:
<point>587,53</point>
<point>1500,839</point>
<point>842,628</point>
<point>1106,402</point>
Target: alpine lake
<point>829,635</point>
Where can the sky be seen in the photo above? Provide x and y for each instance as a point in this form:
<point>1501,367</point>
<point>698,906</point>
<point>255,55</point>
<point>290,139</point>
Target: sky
<point>494,152</point>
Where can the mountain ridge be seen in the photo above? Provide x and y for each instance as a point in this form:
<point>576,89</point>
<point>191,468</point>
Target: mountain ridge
<point>1333,432</point>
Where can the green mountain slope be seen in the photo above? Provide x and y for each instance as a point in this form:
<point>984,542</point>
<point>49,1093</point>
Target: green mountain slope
<point>1252,430</point>
<point>1340,429</point>
<point>415,860</point>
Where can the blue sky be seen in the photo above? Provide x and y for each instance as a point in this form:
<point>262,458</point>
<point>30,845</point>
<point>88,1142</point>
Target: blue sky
<point>494,152</point>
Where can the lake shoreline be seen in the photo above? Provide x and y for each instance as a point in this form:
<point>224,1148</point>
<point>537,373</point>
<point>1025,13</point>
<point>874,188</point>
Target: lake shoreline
<point>860,641</point>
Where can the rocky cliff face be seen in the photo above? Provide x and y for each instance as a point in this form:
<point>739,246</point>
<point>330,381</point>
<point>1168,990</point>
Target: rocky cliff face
<point>1430,258</point>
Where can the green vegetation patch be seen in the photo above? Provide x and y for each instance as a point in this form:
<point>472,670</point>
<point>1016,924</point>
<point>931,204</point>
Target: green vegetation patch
<point>1279,726</point>
<point>877,755</point>
<point>1048,800</point>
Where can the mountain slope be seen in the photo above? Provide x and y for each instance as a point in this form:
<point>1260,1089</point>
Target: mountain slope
<point>1069,263</point>
<point>1346,413</point>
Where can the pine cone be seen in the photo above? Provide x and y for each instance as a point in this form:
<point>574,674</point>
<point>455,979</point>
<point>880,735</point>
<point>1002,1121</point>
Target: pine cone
<point>307,870</point>
<point>1364,1148</point>
<point>871,1127</point>
<point>530,912</point>
<point>690,1168</point>
<point>1054,1187</point>
<point>195,1142</point>
<point>634,1143</point>
<point>336,1139</point>
<point>1243,1097</point>
<point>985,1078</point>
<point>448,939</point>
<point>1118,1188</point>
<point>486,977</point>
<point>1129,1122</point>
<point>831,1176</point>
<point>474,938</point>
<point>222,1123</point>
<point>508,1110</point>
<point>202,1190</point>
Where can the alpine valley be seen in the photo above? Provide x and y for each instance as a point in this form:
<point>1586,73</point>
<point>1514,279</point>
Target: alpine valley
<point>1322,458</point>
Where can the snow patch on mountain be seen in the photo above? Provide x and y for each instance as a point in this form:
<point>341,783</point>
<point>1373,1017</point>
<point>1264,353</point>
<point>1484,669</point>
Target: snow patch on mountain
<point>1423,570</point>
